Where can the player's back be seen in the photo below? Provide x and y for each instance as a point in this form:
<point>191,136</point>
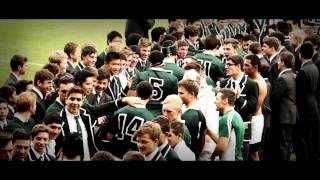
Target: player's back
<point>124,124</point>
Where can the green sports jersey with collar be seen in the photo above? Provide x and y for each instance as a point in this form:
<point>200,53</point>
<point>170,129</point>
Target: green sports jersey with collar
<point>163,83</point>
<point>231,126</point>
<point>213,66</point>
<point>196,123</point>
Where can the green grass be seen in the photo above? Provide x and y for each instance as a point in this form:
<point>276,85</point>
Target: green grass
<point>37,38</point>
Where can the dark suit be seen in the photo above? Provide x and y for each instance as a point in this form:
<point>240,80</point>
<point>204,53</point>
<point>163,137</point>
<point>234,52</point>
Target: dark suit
<point>245,105</point>
<point>169,154</point>
<point>142,68</point>
<point>114,88</point>
<point>100,59</point>
<point>92,98</point>
<point>89,123</point>
<point>41,109</point>
<point>55,107</point>
<point>307,128</point>
<point>32,156</point>
<point>12,80</point>
<point>78,68</point>
<point>132,73</point>
<point>274,71</point>
<point>70,67</point>
<point>284,113</point>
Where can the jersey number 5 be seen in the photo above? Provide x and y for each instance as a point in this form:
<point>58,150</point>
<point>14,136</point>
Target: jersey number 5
<point>157,85</point>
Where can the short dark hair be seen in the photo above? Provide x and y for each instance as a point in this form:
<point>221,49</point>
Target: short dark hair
<point>52,117</point>
<point>156,58</point>
<point>112,56</point>
<point>255,47</point>
<point>75,89</point>
<point>113,34</point>
<point>87,50</point>
<point>287,58</point>
<point>5,138</point>
<point>81,76</point>
<point>6,92</point>
<point>20,133</point>
<point>17,60</point>
<point>279,35</point>
<point>236,59</point>
<point>65,79</point>
<point>177,127</point>
<point>306,50</point>
<point>3,100</point>
<point>156,33</point>
<point>163,122</point>
<point>133,39</point>
<point>144,90</point>
<point>21,85</point>
<point>42,75</point>
<point>103,74</point>
<point>72,145</point>
<point>211,42</point>
<point>52,67</point>
<point>255,61</point>
<point>135,49</point>
<point>70,48</point>
<point>228,94</point>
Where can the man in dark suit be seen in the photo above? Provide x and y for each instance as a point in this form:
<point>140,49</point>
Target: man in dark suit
<point>283,99</point>
<point>88,58</point>
<point>43,88</point>
<point>145,49</point>
<point>18,64</point>
<point>98,96</point>
<point>307,142</point>
<point>64,83</point>
<point>246,93</point>
<point>73,51</point>
<point>112,37</point>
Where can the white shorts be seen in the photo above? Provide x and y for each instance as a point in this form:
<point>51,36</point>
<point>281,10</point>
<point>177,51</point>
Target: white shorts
<point>257,123</point>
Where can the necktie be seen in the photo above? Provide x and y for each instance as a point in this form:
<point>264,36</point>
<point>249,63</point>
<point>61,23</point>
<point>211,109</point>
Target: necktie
<point>40,158</point>
<point>98,98</point>
<point>76,118</point>
<point>233,85</point>
<point>143,64</point>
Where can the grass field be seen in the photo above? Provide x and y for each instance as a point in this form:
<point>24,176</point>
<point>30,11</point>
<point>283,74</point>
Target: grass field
<point>37,38</point>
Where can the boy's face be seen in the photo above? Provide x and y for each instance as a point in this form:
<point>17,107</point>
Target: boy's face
<point>90,59</point>
<point>40,141</point>
<point>87,86</point>
<point>114,66</point>
<point>101,85</point>
<point>146,145</point>
<point>3,111</point>
<point>20,149</point>
<point>145,52</point>
<point>173,139</point>
<point>54,130</point>
<point>74,102</point>
<point>63,89</point>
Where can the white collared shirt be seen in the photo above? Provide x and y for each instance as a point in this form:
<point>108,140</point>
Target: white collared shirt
<point>151,155</point>
<point>38,92</point>
<point>22,119</point>
<point>288,69</point>
<point>51,147</point>
<point>18,78</point>
<point>237,81</point>
<point>36,153</point>
<point>272,56</point>
<point>163,145</point>
<point>3,123</point>
<point>73,128</point>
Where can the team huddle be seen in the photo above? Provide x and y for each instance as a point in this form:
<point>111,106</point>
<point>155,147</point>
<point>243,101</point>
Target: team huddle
<point>199,90</point>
